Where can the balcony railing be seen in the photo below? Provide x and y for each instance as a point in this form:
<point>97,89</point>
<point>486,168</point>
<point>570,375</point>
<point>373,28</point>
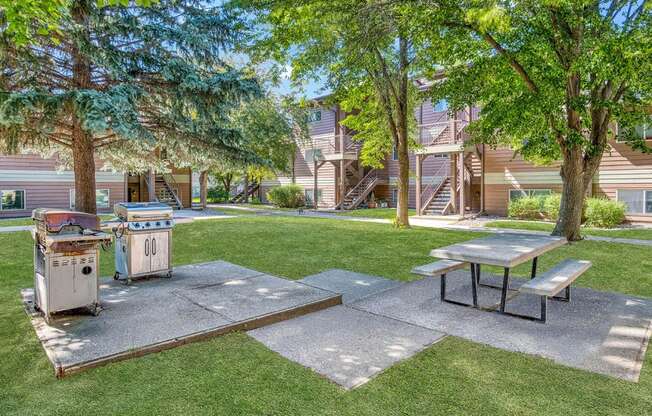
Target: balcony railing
<point>443,132</point>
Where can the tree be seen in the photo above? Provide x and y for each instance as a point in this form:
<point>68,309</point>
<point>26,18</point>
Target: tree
<point>365,50</point>
<point>23,20</point>
<point>552,78</point>
<point>121,81</point>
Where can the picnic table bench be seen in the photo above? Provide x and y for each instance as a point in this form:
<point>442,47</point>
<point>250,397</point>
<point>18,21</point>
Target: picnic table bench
<point>507,251</point>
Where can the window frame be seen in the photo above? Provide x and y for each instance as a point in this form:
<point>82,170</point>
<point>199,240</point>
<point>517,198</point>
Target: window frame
<point>394,196</point>
<point>395,153</point>
<point>526,192</point>
<point>645,196</point>
<point>2,209</point>
<point>71,198</point>
<point>309,192</point>
<point>436,106</point>
<point>314,116</point>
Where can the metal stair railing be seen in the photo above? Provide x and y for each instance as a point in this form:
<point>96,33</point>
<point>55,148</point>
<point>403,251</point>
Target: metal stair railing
<point>367,182</point>
<point>171,185</point>
<point>432,189</point>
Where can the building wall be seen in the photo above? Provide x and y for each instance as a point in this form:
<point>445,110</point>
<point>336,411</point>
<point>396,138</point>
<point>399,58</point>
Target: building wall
<point>45,186</point>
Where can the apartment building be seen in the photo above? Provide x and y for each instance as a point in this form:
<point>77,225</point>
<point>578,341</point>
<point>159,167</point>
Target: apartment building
<point>29,181</point>
<point>449,175</point>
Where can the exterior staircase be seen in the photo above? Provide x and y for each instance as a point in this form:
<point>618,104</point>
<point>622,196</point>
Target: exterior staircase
<point>440,201</point>
<point>240,196</point>
<point>165,193</point>
<point>359,192</point>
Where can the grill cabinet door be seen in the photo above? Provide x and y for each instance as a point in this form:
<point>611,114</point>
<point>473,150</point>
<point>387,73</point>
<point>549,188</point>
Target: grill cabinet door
<point>159,254</point>
<point>85,282</point>
<point>139,253</point>
<point>62,284</point>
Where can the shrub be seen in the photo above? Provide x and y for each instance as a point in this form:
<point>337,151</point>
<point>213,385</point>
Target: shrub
<point>526,208</point>
<point>288,196</point>
<point>217,194</point>
<point>551,205</point>
<point>255,201</point>
<point>604,213</point>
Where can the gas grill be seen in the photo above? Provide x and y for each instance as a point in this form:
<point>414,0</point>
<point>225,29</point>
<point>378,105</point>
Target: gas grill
<point>143,240</point>
<point>66,260</point>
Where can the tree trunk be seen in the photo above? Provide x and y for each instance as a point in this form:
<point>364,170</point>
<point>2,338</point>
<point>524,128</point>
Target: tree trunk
<point>84,168</point>
<point>203,188</point>
<point>402,217</point>
<point>572,198</point>
<point>82,141</point>
<point>246,187</point>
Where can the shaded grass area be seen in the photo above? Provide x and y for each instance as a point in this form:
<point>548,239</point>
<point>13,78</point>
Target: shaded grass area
<point>633,233</point>
<point>235,375</point>
<point>385,213</point>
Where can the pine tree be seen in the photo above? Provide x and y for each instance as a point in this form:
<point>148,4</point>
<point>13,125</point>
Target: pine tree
<point>116,81</point>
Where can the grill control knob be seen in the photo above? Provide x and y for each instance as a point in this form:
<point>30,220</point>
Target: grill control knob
<point>137,225</point>
<point>167,222</point>
<point>146,224</point>
<point>158,224</point>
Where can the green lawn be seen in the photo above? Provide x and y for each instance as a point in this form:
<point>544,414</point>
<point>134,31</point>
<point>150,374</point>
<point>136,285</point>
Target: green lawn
<point>235,375</point>
<point>28,220</point>
<point>384,213</point>
<point>635,233</point>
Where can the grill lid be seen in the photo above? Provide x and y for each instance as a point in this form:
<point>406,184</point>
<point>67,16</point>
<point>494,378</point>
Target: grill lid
<point>55,221</point>
<point>136,211</point>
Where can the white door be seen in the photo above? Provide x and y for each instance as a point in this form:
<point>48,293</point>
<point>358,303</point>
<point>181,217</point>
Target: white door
<point>160,245</point>
<point>139,252</point>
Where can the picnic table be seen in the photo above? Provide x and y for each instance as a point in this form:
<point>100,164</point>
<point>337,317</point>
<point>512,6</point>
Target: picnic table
<point>503,250</point>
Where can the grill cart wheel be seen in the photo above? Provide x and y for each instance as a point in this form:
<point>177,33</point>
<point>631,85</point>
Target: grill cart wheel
<point>116,276</point>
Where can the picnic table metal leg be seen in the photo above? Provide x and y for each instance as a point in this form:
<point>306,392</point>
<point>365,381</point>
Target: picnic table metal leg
<point>442,288</point>
<point>474,285</point>
<point>503,294</point>
<point>477,273</point>
<point>534,268</point>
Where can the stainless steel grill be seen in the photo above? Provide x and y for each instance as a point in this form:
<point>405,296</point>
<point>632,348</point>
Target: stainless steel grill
<point>143,243</point>
<point>66,260</point>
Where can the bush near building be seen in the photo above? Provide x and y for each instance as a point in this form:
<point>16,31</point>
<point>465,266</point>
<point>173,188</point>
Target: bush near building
<point>598,212</point>
<point>604,213</point>
<point>286,196</point>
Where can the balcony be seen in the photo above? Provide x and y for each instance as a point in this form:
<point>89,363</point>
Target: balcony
<point>340,147</point>
<point>442,137</point>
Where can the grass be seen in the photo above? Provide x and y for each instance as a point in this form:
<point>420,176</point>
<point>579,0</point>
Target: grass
<point>10,222</point>
<point>634,233</point>
<point>383,213</point>
<point>235,375</point>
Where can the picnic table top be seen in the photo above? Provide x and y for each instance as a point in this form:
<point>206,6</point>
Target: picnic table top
<point>504,250</point>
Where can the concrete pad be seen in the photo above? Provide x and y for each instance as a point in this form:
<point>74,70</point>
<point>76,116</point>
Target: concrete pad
<point>199,302</point>
<point>239,300</point>
<point>352,286</point>
<point>602,332</point>
<point>345,345</point>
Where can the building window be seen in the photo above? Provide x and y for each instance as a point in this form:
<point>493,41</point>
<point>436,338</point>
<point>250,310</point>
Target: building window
<point>308,196</point>
<point>12,200</point>
<point>394,153</point>
<point>310,155</point>
<point>101,198</point>
<point>642,131</point>
<point>440,106</point>
<point>314,116</point>
<point>638,201</point>
<point>519,193</point>
<point>394,197</point>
